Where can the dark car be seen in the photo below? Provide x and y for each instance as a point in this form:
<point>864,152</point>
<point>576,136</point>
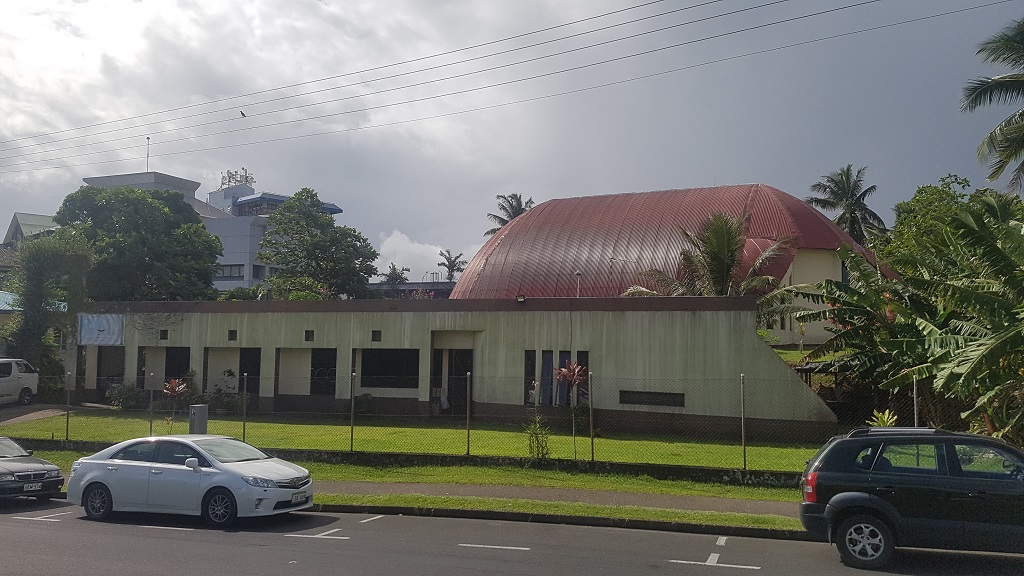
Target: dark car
<point>875,489</point>
<point>22,474</point>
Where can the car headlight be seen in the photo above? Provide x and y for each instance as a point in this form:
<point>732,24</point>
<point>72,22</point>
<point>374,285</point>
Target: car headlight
<point>75,466</point>
<point>6,477</point>
<point>53,473</point>
<point>259,482</point>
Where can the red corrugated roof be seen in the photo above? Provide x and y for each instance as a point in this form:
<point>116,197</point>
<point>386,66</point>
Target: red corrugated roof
<point>611,238</point>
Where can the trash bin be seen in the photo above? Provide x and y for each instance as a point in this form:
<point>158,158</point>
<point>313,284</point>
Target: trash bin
<point>197,417</point>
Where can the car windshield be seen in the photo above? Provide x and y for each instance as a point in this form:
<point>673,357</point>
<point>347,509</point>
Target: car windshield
<point>228,450</point>
<point>10,449</point>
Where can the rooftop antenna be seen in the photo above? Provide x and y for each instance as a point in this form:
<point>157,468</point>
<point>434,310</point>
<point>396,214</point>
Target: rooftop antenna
<point>147,153</point>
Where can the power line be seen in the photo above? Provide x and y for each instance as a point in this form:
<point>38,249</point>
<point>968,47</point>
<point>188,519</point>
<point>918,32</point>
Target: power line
<point>335,77</point>
<point>525,100</point>
<point>322,102</point>
<point>321,116</point>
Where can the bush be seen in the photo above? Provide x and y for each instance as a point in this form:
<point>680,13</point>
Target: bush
<point>127,397</point>
<point>51,391</point>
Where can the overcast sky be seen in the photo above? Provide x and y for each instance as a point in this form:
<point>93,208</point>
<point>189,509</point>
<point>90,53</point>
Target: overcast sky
<point>887,99</point>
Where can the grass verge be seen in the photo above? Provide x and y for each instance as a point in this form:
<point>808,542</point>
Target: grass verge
<point>565,508</point>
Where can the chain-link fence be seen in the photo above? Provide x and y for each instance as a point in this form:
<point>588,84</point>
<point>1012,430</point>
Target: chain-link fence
<point>744,423</point>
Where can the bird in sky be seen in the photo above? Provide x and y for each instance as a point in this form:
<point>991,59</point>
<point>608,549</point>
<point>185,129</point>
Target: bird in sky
<point>242,113</point>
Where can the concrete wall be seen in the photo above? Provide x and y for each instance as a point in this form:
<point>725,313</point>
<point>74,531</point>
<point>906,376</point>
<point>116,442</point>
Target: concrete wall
<point>809,267</point>
<point>699,347</point>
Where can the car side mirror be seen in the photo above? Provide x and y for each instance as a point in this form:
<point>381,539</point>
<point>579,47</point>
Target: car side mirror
<point>30,452</point>
<point>192,463</point>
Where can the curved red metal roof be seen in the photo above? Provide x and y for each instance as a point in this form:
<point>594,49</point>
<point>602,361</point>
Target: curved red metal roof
<point>608,239</point>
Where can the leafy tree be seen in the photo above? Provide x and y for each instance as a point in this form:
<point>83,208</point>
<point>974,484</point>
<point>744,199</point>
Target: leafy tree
<point>844,191</point>
<point>50,288</point>
<point>1004,145</point>
<point>452,264</point>
<point>511,206</point>
<point>242,293</point>
<point>395,276</point>
<point>313,255</point>
<point>926,215</point>
<point>148,245</point>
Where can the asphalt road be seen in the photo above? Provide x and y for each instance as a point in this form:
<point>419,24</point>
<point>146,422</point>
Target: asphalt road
<point>55,538</point>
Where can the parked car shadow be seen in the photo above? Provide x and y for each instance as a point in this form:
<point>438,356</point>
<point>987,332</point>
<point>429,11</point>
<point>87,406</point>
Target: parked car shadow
<point>279,523</point>
<point>27,505</point>
<point>916,562</point>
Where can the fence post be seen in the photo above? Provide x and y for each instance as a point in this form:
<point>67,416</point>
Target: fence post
<point>150,402</point>
<point>67,409</point>
<point>590,402</point>
<point>915,402</point>
<point>469,395</point>
<point>352,413</point>
<point>245,400</point>
<point>743,421</point>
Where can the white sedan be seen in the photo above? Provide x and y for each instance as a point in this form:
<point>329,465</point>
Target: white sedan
<point>216,477</point>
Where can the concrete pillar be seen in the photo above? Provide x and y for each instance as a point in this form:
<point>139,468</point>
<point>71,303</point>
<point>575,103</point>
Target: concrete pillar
<point>131,365</point>
<point>196,361</point>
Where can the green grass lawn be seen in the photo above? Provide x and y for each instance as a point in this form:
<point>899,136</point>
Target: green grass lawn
<point>426,437</point>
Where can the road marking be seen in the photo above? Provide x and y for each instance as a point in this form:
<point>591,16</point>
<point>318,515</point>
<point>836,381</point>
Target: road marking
<point>47,518</point>
<point>323,535</point>
<point>493,547</point>
<point>721,541</point>
<point>713,561</point>
<point>370,519</point>
<point>169,528</point>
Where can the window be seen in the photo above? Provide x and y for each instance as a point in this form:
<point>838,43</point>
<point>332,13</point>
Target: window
<point>979,461</point>
<point>390,368</point>
<point>375,336</point>
<point>138,452</point>
<point>25,368</point>
<point>866,458</point>
<point>163,334</point>
<point>259,272</point>
<point>652,398</point>
<point>177,453</point>
<point>232,335</point>
<point>309,336</point>
<point>910,458</point>
<point>230,271</point>
<point>6,369</point>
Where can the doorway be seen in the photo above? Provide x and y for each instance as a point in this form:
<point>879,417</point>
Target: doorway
<point>459,363</point>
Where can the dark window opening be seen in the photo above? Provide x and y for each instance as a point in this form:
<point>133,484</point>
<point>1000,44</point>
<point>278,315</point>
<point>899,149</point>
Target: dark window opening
<point>652,398</point>
<point>177,363</point>
<point>530,390</point>
<point>163,334</point>
<point>323,373</point>
<point>232,335</point>
<point>375,335</point>
<point>390,368</point>
<point>309,335</point>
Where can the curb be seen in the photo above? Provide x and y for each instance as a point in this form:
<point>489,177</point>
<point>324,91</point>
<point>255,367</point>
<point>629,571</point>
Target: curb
<point>594,521</point>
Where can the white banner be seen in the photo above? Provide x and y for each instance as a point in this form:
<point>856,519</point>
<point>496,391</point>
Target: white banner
<point>100,330</point>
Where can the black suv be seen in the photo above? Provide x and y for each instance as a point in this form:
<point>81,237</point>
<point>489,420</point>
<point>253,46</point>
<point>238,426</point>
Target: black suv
<point>877,488</point>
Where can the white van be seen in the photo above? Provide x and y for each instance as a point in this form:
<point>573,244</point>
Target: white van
<point>19,381</point>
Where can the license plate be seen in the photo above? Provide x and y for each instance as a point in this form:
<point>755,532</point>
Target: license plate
<point>298,497</point>
<point>34,486</point>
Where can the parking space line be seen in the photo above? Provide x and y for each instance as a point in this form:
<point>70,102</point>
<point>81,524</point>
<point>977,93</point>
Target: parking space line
<point>370,519</point>
<point>713,561</point>
<point>47,518</point>
<point>168,528</point>
<point>721,541</point>
<point>493,547</point>
<point>323,535</point>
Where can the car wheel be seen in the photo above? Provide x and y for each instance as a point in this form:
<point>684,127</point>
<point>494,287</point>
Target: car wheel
<point>219,509</point>
<point>97,502</point>
<point>864,541</point>
<point>25,397</point>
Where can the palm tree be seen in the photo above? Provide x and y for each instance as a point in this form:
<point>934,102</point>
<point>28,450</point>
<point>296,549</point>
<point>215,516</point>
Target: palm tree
<point>452,263</point>
<point>510,206</point>
<point>1005,143</point>
<point>712,264</point>
<point>844,190</point>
